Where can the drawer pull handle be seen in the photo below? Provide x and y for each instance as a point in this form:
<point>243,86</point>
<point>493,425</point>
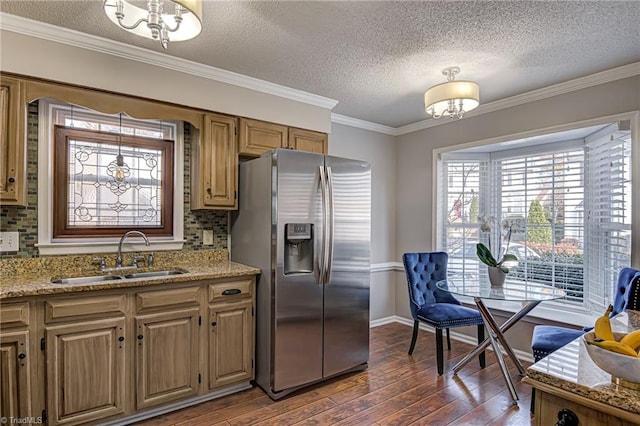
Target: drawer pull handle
<point>231,292</point>
<point>567,417</point>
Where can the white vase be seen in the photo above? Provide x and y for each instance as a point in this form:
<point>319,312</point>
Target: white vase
<point>496,276</point>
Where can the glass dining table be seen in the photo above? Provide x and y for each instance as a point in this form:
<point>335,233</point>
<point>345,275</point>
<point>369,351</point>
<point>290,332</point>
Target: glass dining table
<point>528,293</point>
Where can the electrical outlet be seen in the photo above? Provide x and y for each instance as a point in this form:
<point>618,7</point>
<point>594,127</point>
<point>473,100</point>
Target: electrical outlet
<point>207,237</point>
<point>9,241</point>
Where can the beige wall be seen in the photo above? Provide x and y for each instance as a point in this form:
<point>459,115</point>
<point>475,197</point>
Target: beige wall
<point>414,190</point>
<point>379,150</point>
<point>37,57</point>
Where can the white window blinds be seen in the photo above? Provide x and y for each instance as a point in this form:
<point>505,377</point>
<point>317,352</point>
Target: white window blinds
<point>574,198</point>
<point>608,212</point>
<point>545,190</point>
<point>462,195</point>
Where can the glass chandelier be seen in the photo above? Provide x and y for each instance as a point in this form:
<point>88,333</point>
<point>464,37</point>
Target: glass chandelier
<point>184,23</point>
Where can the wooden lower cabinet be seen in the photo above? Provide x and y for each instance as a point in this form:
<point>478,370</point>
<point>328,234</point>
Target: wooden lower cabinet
<point>551,402</point>
<point>96,357</point>
<point>15,367</point>
<point>230,343</point>
<point>166,357</point>
<point>85,371</point>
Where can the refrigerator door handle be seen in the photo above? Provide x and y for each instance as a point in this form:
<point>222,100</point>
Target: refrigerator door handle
<point>323,245</point>
<point>331,227</point>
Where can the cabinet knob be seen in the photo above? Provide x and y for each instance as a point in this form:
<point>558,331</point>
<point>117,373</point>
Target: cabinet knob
<point>121,339</point>
<point>567,417</point>
<point>12,179</point>
<point>140,337</point>
<point>22,356</point>
<point>214,323</point>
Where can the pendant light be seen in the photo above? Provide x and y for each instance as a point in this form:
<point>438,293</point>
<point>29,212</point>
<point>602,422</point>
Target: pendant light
<point>119,173</point>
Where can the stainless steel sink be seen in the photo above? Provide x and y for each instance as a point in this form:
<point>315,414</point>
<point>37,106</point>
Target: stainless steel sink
<point>163,273</point>
<point>100,278</point>
<point>85,280</point>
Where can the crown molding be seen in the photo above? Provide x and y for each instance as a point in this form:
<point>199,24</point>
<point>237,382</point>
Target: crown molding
<point>74,38</point>
<point>602,77</point>
<point>363,124</point>
<point>98,44</point>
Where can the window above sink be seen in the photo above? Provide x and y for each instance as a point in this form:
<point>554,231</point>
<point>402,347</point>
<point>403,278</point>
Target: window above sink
<point>96,241</point>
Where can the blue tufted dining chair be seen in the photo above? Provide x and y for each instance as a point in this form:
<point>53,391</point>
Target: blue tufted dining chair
<point>433,306</point>
<point>547,339</point>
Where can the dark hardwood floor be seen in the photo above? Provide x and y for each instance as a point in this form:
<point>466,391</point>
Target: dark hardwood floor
<point>396,389</point>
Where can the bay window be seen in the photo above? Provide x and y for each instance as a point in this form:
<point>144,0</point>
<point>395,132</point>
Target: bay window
<point>573,195</point>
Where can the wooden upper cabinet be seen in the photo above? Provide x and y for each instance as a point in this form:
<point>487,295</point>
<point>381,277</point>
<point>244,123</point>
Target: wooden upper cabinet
<point>257,137</point>
<point>214,162</point>
<point>306,140</point>
<point>13,107</point>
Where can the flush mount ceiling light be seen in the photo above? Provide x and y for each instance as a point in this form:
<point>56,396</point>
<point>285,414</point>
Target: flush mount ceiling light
<point>184,23</point>
<point>453,98</point>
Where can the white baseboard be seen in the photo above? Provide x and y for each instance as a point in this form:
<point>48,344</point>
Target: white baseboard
<point>522,355</point>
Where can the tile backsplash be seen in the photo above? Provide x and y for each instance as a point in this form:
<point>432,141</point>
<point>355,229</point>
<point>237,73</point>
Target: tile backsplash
<point>25,219</point>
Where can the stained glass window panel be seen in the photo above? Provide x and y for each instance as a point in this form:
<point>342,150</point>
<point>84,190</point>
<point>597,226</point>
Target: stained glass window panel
<point>103,194</point>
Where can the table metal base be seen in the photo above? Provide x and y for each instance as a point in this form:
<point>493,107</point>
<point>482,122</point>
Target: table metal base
<point>496,339</point>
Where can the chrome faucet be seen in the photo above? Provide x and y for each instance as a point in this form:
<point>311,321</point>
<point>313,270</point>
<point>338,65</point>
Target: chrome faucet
<point>124,237</point>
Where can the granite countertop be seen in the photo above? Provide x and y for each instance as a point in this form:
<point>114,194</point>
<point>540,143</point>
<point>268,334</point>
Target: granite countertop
<point>571,369</point>
<point>32,277</point>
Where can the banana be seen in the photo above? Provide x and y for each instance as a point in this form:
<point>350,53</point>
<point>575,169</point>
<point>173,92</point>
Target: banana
<point>612,345</point>
<point>632,340</point>
<point>602,329</point>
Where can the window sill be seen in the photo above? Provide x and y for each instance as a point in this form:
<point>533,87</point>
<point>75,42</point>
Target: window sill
<point>544,313</point>
<point>106,246</point>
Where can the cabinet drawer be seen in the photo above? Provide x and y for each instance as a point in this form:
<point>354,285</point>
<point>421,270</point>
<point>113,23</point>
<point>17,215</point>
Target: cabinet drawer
<point>14,314</point>
<point>179,297</point>
<point>57,310</point>
<point>230,290</point>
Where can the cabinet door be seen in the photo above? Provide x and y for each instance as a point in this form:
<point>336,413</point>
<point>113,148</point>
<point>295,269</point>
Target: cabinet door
<point>257,137</point>
<point>216,173</point>
<point>15,360</point>
<point>306,140</point>
<point>13,184</point>
<point>230,343</point>
<point>85,371</point>
<point>166,356</point>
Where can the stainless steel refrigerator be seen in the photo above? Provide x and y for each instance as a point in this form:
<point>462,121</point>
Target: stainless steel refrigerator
<point>305,220</point>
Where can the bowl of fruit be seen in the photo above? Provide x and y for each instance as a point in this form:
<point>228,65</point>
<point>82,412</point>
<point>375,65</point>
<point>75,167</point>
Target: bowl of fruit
<point>615,353</point>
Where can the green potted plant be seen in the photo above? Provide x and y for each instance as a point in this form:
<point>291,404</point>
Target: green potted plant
<point>498,266</point>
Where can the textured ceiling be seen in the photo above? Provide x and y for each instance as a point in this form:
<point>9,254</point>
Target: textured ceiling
<point>377,58</point>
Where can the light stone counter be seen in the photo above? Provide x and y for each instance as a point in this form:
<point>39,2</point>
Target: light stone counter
<point>32,277</point>
<point>571,369</point>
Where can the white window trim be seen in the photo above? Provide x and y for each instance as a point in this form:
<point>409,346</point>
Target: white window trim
<point>546,310</point>
<point>48,246</point>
